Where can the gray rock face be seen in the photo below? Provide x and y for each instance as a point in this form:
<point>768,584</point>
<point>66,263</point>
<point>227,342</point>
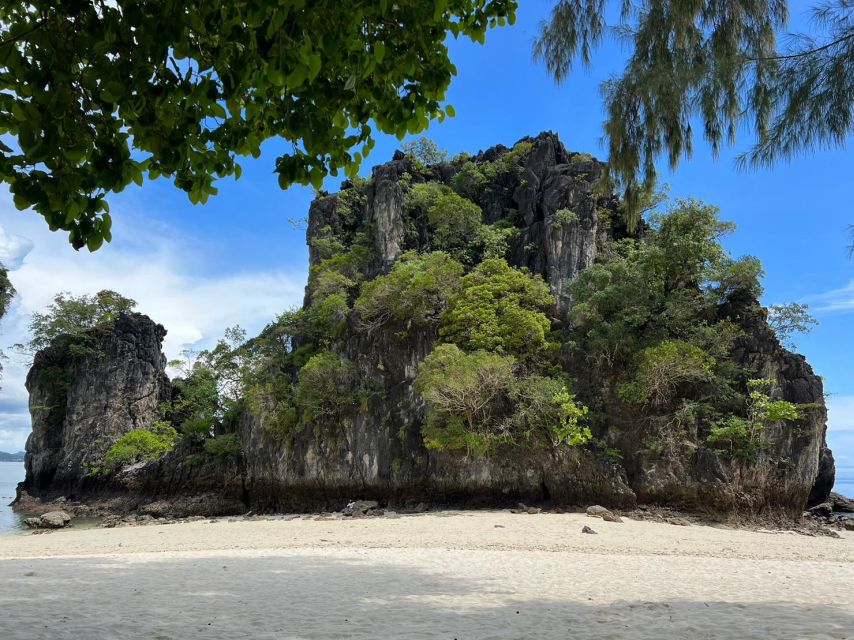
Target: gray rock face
<point>80,405</point>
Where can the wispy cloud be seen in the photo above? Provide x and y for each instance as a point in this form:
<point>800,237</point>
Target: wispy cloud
<point>13,249</point>
<point>834,301</point>
<point>165,272</point>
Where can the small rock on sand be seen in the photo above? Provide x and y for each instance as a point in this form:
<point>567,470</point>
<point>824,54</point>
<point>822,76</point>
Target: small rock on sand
<point>586,529</point>
<point>596,510</point>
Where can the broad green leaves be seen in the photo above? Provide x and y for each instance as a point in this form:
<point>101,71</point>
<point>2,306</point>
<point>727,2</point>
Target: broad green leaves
<point>94,96</point>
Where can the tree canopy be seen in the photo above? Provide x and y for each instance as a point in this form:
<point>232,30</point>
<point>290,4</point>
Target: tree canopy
<point>96,95</point>
<point>73,316</point>
<point>717,62</point>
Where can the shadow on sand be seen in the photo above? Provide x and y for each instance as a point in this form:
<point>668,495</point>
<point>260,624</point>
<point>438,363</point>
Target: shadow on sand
<point>316,597</point>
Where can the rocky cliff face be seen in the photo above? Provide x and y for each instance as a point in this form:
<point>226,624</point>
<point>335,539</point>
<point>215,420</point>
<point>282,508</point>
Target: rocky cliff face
<point>85,397</point>
<point>549,197</point>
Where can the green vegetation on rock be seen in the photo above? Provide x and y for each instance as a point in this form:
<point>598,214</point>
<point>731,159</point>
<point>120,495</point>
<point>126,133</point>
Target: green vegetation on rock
<point>72,317</point>
<point>413,294</point>
<point>140,445</point>
<point>738,437</point>
<point>326,390</point>
<point>499,308</point>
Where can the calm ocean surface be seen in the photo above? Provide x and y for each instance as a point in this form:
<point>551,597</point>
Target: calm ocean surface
<point>11,473</point>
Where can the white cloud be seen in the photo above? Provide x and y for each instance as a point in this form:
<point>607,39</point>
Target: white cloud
<point>164,272</point>
<point>13,249</point>
<point>839,300</point>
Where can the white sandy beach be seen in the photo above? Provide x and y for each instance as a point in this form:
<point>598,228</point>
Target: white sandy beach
<point>447,575</point>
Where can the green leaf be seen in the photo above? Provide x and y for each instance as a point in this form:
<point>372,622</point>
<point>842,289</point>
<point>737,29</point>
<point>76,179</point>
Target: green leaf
<point>20,201</point>
<point>314,63</point>
<point>94,242</point>
<point>379,51</point>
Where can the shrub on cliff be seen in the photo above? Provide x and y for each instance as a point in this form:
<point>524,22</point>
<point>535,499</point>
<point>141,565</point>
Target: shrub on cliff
<point>140,445</point>
<point>495,239</point>
<point>738,437</point>
<point>474,179</point>
<point>224,447</point>
<point>425,151</point>
<point>454,221</point>
<point>665,368</point>
<point>331,284</point>
<point>647,313</point>
<point>499,308</point>
<point>326,390</point>
<point>477,402</point>
<point>197,403</point>
<point>71,317</point>
<point>465,394</point>
<point>412,294</point>
<point>543,407</point>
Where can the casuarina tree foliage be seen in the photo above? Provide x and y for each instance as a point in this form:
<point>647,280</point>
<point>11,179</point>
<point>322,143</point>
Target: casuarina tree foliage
<point>717,63</point>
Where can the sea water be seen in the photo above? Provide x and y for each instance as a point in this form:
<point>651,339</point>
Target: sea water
<point>845,481</point>
<point>11,473</point>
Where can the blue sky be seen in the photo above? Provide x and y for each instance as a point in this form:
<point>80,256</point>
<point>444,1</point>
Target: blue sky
<point>199,269</point>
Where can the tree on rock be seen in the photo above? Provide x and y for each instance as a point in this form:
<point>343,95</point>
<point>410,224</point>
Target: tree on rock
<point>73,316</point>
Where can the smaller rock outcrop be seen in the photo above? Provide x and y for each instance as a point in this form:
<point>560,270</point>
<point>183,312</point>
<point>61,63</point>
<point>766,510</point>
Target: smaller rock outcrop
<point>86,395</point>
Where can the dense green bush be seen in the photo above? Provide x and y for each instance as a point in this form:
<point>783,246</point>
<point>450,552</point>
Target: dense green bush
<point>474,180</point>
<point>73,317</point>
<point>495,239</point>
<point>453,220</point>
<point>140,445</point>
<point>544,407</point>
<point>197,403</point>
<point>476,402</point>
<point>499,308</point>
<point>664,288</point>
<point>224,447</point>
<point>269,374</point>
<point>326,390</point>
<point>331,285</point>
<point>465,395</point>
<point>665,368</point>
<point>413,293</point>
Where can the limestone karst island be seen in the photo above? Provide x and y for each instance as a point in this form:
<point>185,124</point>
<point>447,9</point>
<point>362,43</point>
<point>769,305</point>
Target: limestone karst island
<point>278,364</point>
